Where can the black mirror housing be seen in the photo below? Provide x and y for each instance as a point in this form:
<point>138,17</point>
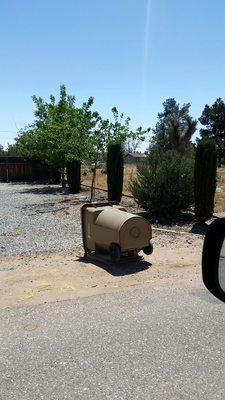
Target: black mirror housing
<point>213,243</point>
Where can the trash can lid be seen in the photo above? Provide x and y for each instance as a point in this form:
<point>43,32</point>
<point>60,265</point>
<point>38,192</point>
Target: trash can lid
<point>113,218</point>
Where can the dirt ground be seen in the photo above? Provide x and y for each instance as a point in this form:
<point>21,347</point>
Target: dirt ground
<point>52,277</point>
<point>42,260</point>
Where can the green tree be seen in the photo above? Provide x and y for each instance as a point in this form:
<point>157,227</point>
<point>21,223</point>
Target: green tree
<point>106,132</point>
<point>174,128</point>
<point>213,118</point>
<point>60,133</point>
<point>10,151</point>
<point>64,134</point>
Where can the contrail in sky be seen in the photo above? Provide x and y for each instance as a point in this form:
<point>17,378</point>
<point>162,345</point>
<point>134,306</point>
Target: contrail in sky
<point>146,45</point>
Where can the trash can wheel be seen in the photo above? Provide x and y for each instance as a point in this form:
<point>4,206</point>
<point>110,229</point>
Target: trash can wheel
<point>115,252</point>
<point>149,249</point>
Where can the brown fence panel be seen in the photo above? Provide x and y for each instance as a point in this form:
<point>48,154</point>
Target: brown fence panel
<point>16,172</point>
<point>3,172</point>
<point>21,170</point>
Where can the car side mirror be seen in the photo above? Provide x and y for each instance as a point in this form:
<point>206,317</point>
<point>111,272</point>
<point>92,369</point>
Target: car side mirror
<point>213,259</point>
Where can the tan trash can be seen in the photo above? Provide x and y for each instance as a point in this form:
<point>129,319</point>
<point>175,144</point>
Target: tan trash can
<point>108,229</point>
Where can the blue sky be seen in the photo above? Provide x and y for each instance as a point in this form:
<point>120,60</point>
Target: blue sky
<point>112,51</point>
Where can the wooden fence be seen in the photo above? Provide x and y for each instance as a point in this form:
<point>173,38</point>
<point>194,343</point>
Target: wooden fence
<point>18,169</point>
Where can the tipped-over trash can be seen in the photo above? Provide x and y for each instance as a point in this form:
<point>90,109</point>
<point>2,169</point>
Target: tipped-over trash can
<point>108,229</point>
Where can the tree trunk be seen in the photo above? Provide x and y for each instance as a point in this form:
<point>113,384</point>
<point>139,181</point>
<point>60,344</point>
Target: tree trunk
<point>219,158</point>
<point>63,178</point>
<point>73,170</point>
<point>93,182</point>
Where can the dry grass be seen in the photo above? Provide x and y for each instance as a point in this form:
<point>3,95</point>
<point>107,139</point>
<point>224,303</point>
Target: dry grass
<point>101,179</point>
<point>130,172</point>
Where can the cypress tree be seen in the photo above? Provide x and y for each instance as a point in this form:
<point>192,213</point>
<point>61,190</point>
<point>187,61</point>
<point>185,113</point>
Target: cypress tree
<point>55,175</point>
<point>115,166</point>
<point>205,179</point>
<point>73,170</point>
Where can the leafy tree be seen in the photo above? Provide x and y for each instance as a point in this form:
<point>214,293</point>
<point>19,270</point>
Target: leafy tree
<point>174,128</point>
<point>106,132</point>
<point>205,179</point>
<point>119,130</point>
<point>213,118</point>
<point>133,142</point>
<point>60,133</point>
<point>10,151</point>
<point>97,149</point>
<point>63,133</point>
<point>165,182</point>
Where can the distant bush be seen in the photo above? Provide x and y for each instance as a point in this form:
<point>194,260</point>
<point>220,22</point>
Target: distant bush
<point>165,182</point>
<point>115,169</point>
<point>205,179</point>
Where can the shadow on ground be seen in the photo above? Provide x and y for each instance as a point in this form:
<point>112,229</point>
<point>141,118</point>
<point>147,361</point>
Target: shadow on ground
<point>184,221</point>
<point>42,188</point>
<point>53,207</point>
<point>45,190</point>
<point>199,229</point>
<point>118,269</point>
<point>179,219</point>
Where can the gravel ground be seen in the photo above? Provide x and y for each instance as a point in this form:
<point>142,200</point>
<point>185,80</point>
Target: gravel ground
<point>45,218</point>
<point>37,218</point>
<point>42,218</point>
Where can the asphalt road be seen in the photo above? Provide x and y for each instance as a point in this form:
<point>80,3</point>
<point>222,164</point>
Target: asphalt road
<point>156,343</point>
